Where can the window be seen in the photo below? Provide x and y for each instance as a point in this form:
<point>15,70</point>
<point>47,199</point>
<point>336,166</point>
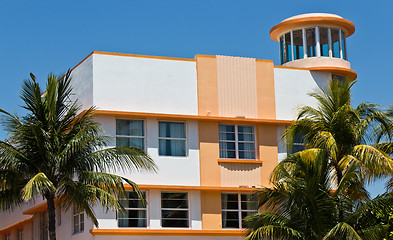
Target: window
<point>8,237</point>
<point>135,215</point>
<point>20,234</point>
<point>335,39</point>
<point>130,133</point>
<point>302,43</point>
<point>311,42</point>
<point>343,45</point>
<point>298,51</point>
<point>324,41</point>
<point>298,144</point>
<point>78,220</point>
<point>174,209</point>
<point>172,139</point>
<point>236,206</point>
<point>282,55</point>
<point>237,141</point>
<point>287,47</point>
<point>339,78</point>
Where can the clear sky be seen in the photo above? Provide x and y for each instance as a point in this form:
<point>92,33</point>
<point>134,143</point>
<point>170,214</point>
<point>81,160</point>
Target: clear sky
<point>51,36</point>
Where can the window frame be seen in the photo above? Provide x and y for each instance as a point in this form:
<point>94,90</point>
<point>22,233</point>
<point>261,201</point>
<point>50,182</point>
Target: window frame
<point>146,208</point>
<point>80,223</point>
<point>239,209</point>
<point>20,234</point>
<point>167,138</point>
<point>236,141</point>
<point>287,52</point>
<point>131,136</point>
<point>174,209</point>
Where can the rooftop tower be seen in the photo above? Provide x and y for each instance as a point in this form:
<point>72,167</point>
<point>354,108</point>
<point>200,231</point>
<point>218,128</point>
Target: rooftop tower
<point>316,41</point>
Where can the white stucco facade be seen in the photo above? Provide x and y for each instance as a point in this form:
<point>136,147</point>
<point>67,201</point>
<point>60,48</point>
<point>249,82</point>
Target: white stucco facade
<point>156,90</point>
<point>292,87</point>
<point>144,85</point>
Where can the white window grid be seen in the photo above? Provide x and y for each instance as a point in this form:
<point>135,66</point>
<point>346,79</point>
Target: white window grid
<point>78,226</point>
<point>178,209</point>
<point>170,138</point>
<point>145,208</point>
<point>239,209</point>
<point>317,39</point>
<point>133,136</point>
<point>237,141</point>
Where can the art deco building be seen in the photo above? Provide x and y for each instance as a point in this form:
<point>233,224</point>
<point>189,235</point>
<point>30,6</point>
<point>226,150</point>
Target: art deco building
<point>212,124</point>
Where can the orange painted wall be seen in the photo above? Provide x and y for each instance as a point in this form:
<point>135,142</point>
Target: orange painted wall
<point>207,85</point>
<point>268,151</point>
<point>211,210</point>
<point>265,89</point>
<point>209,154</point>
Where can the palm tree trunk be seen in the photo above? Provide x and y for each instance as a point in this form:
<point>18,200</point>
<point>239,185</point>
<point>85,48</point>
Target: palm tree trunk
<point>50,199</point>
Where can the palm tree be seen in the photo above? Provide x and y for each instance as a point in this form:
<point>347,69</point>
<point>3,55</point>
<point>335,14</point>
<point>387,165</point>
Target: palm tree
<point>303,205</point>
<point>326,182</point>
<point>56,151</point>
<point>344,132</point>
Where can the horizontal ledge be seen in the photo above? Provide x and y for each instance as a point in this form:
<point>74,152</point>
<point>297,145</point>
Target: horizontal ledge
<point>38,208</point>
<point>17,225</point>
<point>125,114</point>
<point>171,232</point>
<point>239,161</point>
<point>193,188</point>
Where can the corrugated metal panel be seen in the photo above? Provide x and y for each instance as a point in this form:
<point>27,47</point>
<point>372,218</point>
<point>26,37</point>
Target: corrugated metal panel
<point>240,174</point>
<point>236,82</point>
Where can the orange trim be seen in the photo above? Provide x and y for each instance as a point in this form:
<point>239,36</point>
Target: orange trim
<point>143,56</point>
<point>294,68</point>
<point>208,150</point>
<point>17,225</point>
<point>82,61</point>
<point>211,210</point>
<point>205,56</point>
<point>264,60</point>
<point>239,161</point>
<point>280,28</point>
<point>168,232</point>
<point>266,100</point>
<point>38,208</point>
<point>193,188</point>
<point>123,114</point>
<point>268,149</point>
<point>207,87</point>
<point>351,74</point>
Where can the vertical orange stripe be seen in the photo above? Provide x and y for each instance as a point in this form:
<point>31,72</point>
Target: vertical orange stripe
<point>265,90</point>
<point>268,151</point>
<point>207,85</point>
<point>209,153</point>
<point>211,210</point>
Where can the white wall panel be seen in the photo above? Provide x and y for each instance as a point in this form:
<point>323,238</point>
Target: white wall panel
<point>292,88</point>
<point>145,85</point>
<point>82,83</point>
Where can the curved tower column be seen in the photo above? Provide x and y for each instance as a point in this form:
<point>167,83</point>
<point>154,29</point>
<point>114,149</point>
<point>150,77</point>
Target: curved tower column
<point>316,41</point>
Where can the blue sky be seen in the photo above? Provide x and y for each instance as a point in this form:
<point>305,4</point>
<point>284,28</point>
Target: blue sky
<point>51,36</point>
